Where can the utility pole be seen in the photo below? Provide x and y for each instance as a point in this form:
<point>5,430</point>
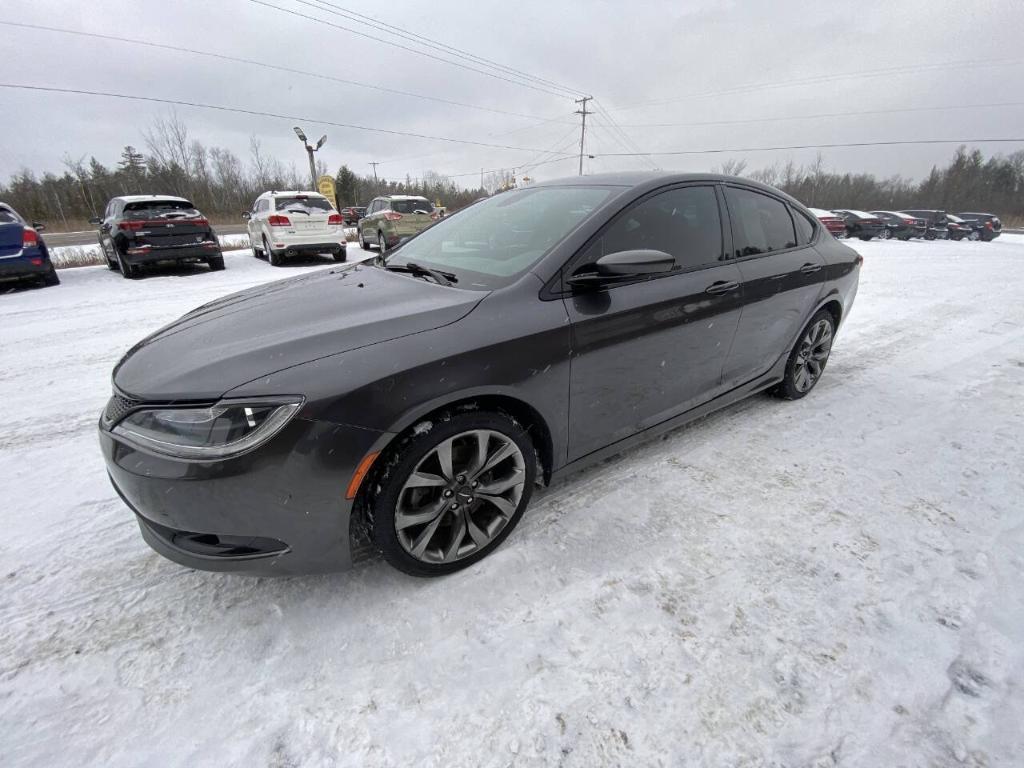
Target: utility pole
<point>309,151</point>
<point>375,172</point>
<point>583,126</point>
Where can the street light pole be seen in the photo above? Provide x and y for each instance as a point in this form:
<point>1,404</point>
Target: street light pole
<point>309,151</point>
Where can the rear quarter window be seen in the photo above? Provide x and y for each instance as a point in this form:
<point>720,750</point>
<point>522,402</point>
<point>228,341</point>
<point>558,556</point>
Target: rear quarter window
<point>760,224</point>
<point>7,216</point>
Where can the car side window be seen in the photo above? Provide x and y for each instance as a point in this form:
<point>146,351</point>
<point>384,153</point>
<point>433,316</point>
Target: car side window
<point>804,227</point>
<point>684,223</point>
<point>760,224</point>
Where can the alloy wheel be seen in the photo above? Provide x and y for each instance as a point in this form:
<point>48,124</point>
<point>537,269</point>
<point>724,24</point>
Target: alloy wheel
<point>460,496</point>
<point>382,244</point>
<point>886,234</point>
<point>813,354</point>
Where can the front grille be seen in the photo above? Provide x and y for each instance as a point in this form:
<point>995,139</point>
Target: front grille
<point>118,407</point>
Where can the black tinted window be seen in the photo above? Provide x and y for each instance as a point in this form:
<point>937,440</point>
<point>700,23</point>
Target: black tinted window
<point>145,208</point>
<point>804,228</point>
<point>760,224</point>
<point>302,204</point>
<point>684,223</point>
<point>8,217</point>
<point>412,206</point>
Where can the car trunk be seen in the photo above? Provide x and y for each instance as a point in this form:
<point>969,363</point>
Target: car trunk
<point>170,231</point>
<point>308,215</point>
<point>416,215</point>
<point>12,235</point>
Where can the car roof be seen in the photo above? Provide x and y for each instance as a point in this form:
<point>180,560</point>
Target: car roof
<point>400,197</point>
<point>643,181</point>
<point>289,193</point>
<point>142,198</point>
<point>972,213</point>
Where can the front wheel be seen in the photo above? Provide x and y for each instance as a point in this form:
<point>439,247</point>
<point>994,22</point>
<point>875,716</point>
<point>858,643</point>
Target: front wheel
<point>452,491</point>
<point>808,359</point>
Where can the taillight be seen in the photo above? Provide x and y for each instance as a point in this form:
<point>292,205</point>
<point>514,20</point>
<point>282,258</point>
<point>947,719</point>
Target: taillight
<point>131,225</point>
<point>279,221</point>
<point>335,220</point>
<point>199,222</point>
<point>29,238</point>
<point>988,225</point>
<point>392,216</point>
<point>435,216</point>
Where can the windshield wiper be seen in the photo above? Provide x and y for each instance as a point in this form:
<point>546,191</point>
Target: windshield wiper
<point>439,277</point>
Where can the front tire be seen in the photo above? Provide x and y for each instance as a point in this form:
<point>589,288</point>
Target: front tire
<point>807,361</point>
<point>452,491</point>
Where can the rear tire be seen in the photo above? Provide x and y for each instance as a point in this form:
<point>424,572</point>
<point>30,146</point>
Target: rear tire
<point>128,271</point>
<point>216,263</point>
<point>50,278</point>
<point>276,258</point>
<point>362,242</point>
<point>382,243</point>
<point>807,360</point>
<point>112,264</point>
<point>471,522</point>
<point>885,234</point>
<point>341,254</point>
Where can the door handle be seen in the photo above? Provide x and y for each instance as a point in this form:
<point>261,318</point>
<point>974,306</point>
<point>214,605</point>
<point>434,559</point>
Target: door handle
<point>721,287</point>
<point>809,268</point>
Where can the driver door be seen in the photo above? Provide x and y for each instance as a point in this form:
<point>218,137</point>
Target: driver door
<point>650,349</point>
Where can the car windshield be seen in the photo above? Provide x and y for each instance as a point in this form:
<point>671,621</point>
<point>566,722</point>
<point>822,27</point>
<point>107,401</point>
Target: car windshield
<point>491,243</point>
<point>302,204</point>
<point>146,209</point>
<point>412,206</point>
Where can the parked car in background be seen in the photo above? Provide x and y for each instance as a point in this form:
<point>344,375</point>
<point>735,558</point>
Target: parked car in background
<point>399,404</point>
<point>390,218</point>
<point>898,225</point>
<point>352,214</point>
<point>833,223</point>
<point>958,228</point>
<point>935,223</point>
<point>148,229</point>
<point>986,226</point>
<point>287,224</point>
<point>860,223</point>
<point>23,254</point>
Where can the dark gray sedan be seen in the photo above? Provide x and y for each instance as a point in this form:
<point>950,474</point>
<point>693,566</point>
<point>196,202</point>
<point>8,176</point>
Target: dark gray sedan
<point>411,404</point>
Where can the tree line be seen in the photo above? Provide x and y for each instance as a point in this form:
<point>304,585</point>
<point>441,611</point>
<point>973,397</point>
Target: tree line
<point>222,185</point>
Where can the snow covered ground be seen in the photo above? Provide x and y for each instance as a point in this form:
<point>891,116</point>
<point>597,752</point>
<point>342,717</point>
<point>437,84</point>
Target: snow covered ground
<point>837,581</point>
<point>65,256</point>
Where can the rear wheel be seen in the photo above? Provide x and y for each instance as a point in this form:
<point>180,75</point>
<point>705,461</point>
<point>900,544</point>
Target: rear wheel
<point>975,235</point>
<point>452,492</point>
<point>128,271</point>
<point>808,359</point>
<point>216,263</point>
<point>341,254</point>
<point>276,258</point>
<point>50,278</point>
<point>363,242</point>
<point>382,243</point>
<point>885,234</point>
<point>112,264</point>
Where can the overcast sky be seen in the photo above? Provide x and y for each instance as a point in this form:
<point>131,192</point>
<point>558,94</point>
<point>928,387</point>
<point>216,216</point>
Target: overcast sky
<point>645,62</point>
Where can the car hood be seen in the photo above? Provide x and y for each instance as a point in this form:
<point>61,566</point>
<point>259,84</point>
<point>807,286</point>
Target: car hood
<point>262,330</point>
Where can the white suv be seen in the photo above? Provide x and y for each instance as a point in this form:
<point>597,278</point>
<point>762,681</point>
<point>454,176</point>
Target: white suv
<point>283,224</point>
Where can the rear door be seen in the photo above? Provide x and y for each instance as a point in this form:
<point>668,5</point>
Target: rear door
<point>648,350</point>
<point>307,213</point>
<point>782,277</point>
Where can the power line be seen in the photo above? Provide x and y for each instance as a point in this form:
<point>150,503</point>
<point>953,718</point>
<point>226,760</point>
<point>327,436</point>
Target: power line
<point>253,62</point>
<point>815,146</point>
<point>439,46</point>
<point>625,139</point>
<point>819,79</point>
<point>860,113</point>
<point>399,45</point>
<point>259,113</point>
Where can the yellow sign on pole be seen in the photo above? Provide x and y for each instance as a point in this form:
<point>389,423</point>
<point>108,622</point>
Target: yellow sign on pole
<point>325,185</point>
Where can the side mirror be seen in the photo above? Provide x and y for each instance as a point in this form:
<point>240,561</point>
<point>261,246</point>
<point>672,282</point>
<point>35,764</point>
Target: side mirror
<point>246,215</point>
<point>624,265</point>
<point>95,220</point>
<point>38,227</point>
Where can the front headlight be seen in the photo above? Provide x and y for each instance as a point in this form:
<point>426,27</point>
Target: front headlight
<point>213,432</point>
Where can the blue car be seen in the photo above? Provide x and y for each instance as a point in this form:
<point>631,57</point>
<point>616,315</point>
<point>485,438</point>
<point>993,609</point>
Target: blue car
<point>23,254</point>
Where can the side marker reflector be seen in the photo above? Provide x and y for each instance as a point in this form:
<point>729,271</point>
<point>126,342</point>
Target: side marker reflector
<point>359,474</point>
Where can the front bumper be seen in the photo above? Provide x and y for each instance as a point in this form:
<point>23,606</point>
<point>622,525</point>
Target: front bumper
<point>278,510</point>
